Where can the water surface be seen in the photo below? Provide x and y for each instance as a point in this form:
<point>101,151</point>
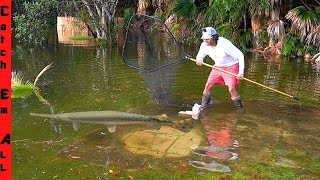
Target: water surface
<point>271,129</point>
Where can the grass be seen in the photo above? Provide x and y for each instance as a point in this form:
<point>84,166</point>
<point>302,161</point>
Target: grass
<point>80,38</point>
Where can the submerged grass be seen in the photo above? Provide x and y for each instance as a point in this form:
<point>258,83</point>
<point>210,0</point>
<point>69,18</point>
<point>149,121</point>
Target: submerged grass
<point>65,168</point>
<point>50,165</point>
<point>248,170</point>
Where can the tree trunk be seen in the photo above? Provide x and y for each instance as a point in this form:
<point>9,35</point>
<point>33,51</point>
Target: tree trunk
<point>102,13</point>
<point>274,17</point>
<point>256,28</point>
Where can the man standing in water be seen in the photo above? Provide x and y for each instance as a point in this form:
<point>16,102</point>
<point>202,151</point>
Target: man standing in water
<point>227,57</point>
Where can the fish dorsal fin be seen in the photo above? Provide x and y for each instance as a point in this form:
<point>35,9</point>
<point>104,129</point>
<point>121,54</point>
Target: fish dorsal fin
<point>112,128</point>
<point>76,125</point>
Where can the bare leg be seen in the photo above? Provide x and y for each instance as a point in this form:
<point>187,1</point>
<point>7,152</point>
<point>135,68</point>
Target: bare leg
<point>207,88</point>
<point>235,97</point>
<point>233,92</point>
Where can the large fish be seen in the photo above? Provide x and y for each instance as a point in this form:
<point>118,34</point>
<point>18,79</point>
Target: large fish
<point>114,118</point>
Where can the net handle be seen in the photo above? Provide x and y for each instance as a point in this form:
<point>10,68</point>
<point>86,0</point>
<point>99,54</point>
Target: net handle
<point>264,86</point>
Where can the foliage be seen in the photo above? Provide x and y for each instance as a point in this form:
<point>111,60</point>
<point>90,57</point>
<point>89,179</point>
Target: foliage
<point>102,43</point>
<point>22,87</point>
<point>243,39</point>
<point>314,37</point>
<point>33,19</point>
<point>185,8</point>
<point>127,14</point>
<point>224,30</point>
<point>226,11</point>
<point>259,8</point>
<point>17,81</point>
<point>303,21</point>
<point>84,16</point>
<point>290,46</point>
<point>293,47</point>
<point>230,17</point>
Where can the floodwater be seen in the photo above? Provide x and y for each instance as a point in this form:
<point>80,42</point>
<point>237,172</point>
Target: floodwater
<point>271,129</point>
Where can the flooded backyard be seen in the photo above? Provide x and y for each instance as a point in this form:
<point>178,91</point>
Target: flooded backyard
<point>273,137</point>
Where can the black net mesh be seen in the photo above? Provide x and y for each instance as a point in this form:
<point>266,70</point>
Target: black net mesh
<point>149,45</point>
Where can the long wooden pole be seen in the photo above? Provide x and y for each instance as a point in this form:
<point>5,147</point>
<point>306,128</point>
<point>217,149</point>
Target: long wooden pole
<point>213,67</point>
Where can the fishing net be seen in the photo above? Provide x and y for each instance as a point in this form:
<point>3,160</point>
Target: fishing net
<point>149,45</point>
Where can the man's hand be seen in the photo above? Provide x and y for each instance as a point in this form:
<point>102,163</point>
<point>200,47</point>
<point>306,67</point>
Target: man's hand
<point>199,62</point>
<point>240,76</point>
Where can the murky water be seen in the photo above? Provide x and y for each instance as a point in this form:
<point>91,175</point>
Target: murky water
<point>272,128</point>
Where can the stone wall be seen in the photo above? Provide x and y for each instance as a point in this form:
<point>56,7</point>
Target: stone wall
<point>68,27</point>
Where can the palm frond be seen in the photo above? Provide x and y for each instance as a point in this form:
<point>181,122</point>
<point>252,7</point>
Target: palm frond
<point>303,21</point>
<point>314,37</point>
<point>41,72</point>
<point>276,29</point>
<point>184,8</point>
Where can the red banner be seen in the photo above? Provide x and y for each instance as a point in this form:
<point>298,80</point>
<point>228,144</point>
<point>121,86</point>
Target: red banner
<point>5,89</point>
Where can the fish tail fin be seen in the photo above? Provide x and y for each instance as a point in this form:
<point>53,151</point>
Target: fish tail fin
<point>184,125</point>
<point>42,115</point>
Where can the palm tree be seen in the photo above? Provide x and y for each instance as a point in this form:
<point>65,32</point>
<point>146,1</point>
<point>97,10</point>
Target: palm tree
<point>314,37</point>
<point>305,24</point>
<point>303,21</point>
<point>267,10</point>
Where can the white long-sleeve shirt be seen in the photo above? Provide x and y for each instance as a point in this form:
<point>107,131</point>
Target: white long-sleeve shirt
<point>224,54</point>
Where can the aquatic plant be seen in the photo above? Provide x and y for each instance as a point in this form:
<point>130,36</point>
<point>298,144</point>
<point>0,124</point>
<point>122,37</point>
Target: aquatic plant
<point>22,87</point>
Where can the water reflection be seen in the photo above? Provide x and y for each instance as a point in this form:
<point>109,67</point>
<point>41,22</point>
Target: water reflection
<point>149,48</point>
<point>221,143</point>
<point>148,45</point>
<point>212,166</point>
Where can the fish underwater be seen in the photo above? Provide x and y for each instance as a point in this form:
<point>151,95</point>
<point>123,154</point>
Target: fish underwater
<point>114,118</point>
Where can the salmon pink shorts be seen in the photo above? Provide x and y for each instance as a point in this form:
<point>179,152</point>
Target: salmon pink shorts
<point>218,77</point>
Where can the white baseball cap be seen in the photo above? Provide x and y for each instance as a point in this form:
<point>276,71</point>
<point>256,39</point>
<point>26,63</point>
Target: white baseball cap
<point>208,32</point>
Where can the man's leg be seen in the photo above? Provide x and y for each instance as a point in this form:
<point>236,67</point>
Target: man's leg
<point>206,95</point>
<point>207,88</point>
<point>235,96</point>
<point>213,78</point>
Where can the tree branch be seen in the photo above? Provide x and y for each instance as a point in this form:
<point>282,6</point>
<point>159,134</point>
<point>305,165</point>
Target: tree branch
<point>306,5</point>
